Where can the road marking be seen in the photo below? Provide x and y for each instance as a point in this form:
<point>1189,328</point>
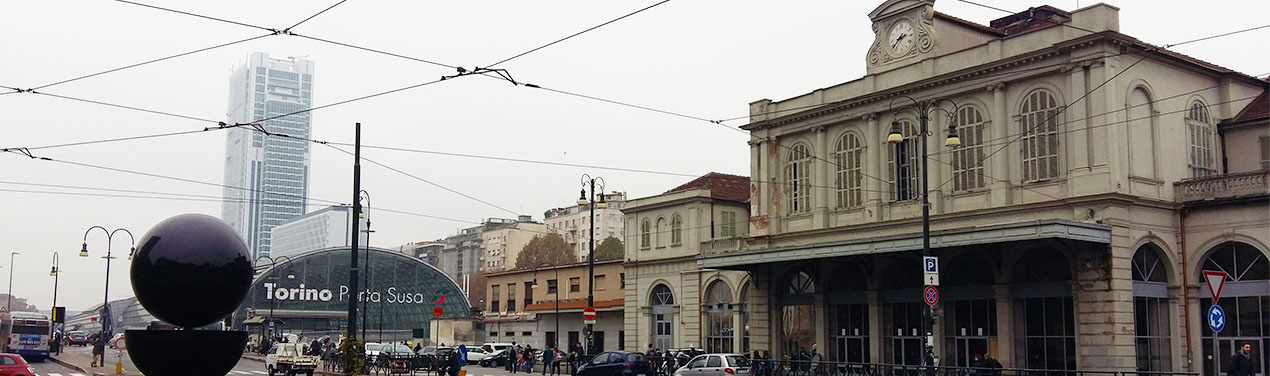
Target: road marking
<point>260,372</point>
<point>55,374</point>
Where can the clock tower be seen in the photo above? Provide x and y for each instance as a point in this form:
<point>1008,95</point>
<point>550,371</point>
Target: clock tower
<point>904,30</point>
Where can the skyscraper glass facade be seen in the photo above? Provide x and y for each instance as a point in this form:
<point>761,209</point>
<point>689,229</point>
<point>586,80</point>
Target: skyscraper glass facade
<point>267,177</point>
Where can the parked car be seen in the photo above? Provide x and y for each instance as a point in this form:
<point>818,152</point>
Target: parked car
<point>13,365</point>
<point>491,347</point>
<point>77,338</point>
<point>429,356</point>
<point>372,350</point>
<point>285,358</point>
<point>398,357</point>
<point>495,359</point>
<point>475,354</point>
<point>716,365</point>
<point>616,363</point>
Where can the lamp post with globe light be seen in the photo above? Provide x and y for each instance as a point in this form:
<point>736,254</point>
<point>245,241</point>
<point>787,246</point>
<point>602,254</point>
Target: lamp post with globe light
<point>897,137</point>
<point>83,252</point>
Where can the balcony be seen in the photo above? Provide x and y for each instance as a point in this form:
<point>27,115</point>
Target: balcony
<point>1223,187</point>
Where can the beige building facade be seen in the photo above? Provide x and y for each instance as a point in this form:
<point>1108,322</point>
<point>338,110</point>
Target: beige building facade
<point>521,305</point>
<point>502,244</point>
<point>1096,178</point>
<point>673,303</point>
<point>571,223</point>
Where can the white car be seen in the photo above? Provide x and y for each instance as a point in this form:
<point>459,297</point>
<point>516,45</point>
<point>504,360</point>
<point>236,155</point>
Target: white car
<point>373,349</point>
<point>285,358</point>
<point>118,342</point>
<point>475,354</point>
<point>716,365</point>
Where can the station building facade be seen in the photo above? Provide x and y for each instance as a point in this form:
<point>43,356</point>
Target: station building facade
<point>308,294</point>
<point>1097,177</point>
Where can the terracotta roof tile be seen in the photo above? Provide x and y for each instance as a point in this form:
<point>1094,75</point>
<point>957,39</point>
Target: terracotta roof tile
<point>721,186</point>
<point>1258,109</point>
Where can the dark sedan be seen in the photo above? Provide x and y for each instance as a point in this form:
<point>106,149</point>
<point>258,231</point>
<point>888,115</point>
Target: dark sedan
<point>495,359</point>
<point>615,363</point>
<point>429,357</point>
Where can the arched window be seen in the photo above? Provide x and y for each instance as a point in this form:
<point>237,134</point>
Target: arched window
<point>661,232</point>
<point>1151,310</point>
<point>798,169</point>
<point>663,310</point>
<point>903,160</point>
<point>798,314</point>
<point>645,233</point>
<point>849,157</point>
<point>1244,298</point>
<point>719,333</point>
<point>1200,135</point>
<point>967,160</point>
<point>745,318</point>
<point>676,229</point>
<point>1039,129</point>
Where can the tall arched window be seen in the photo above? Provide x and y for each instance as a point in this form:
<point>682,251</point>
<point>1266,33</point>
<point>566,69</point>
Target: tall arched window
<point>661,232</point>
<point>1151,310</point>
<point>798,314</point>
<point>719,330</point>
<point>798,169</point>
<point>967,160</point>
<point>849,156</point>
<point>1039,129</point>
<point>676,229</point>
<point>1245,300</point>
<point>903,160</point>
<point>645,234</point>
<point>745,318</point>
<point>1200,134</point>
<point>663,310</point>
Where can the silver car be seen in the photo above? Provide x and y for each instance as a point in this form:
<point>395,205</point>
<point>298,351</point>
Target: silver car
<point>716,365</point>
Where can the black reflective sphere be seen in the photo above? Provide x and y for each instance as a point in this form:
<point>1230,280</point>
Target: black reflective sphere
<point>191,270</point>
<point>185,352</point>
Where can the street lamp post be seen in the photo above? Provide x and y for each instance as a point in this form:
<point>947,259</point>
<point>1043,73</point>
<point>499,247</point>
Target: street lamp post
<point>9,305</point>
<point>83,252</point>
<point>590,259</point>
<point>363,195</point>
<point>556,343</point>
<point>896,136</point>
<point>55,272</point>
<point>273,266</point>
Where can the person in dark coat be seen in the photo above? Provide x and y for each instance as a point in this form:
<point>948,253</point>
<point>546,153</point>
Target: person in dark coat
<point>99,347</point>
<point>1241,362</point>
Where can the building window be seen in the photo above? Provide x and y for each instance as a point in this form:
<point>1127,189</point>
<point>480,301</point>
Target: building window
<point>622,280</point>
<point>663,309</point>
<point>1200,134</point>
<point>1246,302</point>
<point>797,314</point>
<point>727,224</point>
<point>1265,152</point>
<point>575,284</point>
<point>902,339</point>
<point>494,297</point>
<point>661,230</point>
<point>676,230</point>
<point>1039,136</point>
<point>798,169</point>
<point>967,160</point>
<point>1047,338</point>
<point>849,156</point>
<point>849,338</point>
<point>511,297</point>
<point>719,333</point>
<point>903,160</point>
<point>551,286</point>
<point>527,334</point>
<point>599,282</point>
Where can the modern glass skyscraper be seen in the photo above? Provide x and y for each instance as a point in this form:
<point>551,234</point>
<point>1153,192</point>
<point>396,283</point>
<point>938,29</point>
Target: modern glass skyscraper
<point>267,177</point>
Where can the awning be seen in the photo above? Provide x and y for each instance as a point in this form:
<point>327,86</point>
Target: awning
<point>998,233</point>
<point>254,320</point>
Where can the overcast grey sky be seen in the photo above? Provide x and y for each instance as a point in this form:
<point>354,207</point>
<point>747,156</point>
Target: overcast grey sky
<point>705,58</point>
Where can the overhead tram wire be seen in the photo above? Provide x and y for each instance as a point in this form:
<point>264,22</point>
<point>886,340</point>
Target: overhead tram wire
<point>577,34</point>
<point>313,16</point>
<point>153,61</point>
<point>448,189</point>
<point>272,30</point>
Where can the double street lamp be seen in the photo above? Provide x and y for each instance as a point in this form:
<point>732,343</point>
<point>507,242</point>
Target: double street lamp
<point>555,341</point>
<point>590,259</point>
<point>273,268</point>
<point>83,252</point>
<point>365,213</point>
<point>924,110</point>
<point>54,272</point>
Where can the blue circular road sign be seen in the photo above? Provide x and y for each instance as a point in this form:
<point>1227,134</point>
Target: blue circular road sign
<point>1216,318</point>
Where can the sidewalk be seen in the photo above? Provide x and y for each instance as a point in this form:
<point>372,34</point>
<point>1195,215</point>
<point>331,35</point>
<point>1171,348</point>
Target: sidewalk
<point>80,361</point>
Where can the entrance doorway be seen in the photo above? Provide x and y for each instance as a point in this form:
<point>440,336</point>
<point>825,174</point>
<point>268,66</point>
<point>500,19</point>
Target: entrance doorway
<point>1225,347</point>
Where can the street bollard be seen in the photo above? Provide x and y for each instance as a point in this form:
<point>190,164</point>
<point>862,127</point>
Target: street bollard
<point>118,362</point>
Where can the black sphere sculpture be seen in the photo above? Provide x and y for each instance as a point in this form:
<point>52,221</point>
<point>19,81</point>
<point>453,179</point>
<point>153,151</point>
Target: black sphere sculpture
<point>190,270</point>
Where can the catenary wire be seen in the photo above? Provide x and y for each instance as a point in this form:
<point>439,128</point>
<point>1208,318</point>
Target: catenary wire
<point>314,15</point>
<point>448,189</point>
<point>128,107</point>
<point>577,33</point>
<point>152,61</point>
<point>272,30</point>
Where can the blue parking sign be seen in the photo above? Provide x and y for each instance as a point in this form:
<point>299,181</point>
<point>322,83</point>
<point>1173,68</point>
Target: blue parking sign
<point>1216,318</point>
<point>930,264</point>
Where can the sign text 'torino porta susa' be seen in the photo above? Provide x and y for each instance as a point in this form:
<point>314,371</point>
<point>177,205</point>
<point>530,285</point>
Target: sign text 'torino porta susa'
<point>304,294</point>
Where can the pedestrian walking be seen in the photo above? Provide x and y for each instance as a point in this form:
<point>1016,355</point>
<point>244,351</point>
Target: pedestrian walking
<point>573,360</point>
<point>557,356</point>
<point>512,358</point>
<point>1241,362</point>
<point>529,359</point>
<point>548,354</point>
<point>99,347</point>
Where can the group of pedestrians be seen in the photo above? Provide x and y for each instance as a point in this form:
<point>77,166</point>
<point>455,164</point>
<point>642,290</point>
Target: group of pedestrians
<point>523,358</point>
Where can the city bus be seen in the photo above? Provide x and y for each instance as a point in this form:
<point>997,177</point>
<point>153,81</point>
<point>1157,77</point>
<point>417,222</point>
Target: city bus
<point>27,334</point>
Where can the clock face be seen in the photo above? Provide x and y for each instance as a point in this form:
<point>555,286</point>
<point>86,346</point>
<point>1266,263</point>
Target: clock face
<point>901,38</point>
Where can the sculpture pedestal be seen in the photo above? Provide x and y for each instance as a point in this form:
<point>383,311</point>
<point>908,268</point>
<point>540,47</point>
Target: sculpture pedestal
<point>185,352</point>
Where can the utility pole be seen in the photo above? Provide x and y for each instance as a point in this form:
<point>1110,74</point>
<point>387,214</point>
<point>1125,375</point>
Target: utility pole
<point>357,211</point>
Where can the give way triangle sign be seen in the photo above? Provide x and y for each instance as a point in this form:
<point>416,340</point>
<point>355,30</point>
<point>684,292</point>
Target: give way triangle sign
<point>1215,280</point>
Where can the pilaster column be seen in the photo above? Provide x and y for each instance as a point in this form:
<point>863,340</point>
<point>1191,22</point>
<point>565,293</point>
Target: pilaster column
<point>874,165</point>
<point>1000,163</point>
<point>875,327</point>
<point>937,126</point>
<point>759,189</point>
<point>1005,325</point>
<point>820,182</point>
